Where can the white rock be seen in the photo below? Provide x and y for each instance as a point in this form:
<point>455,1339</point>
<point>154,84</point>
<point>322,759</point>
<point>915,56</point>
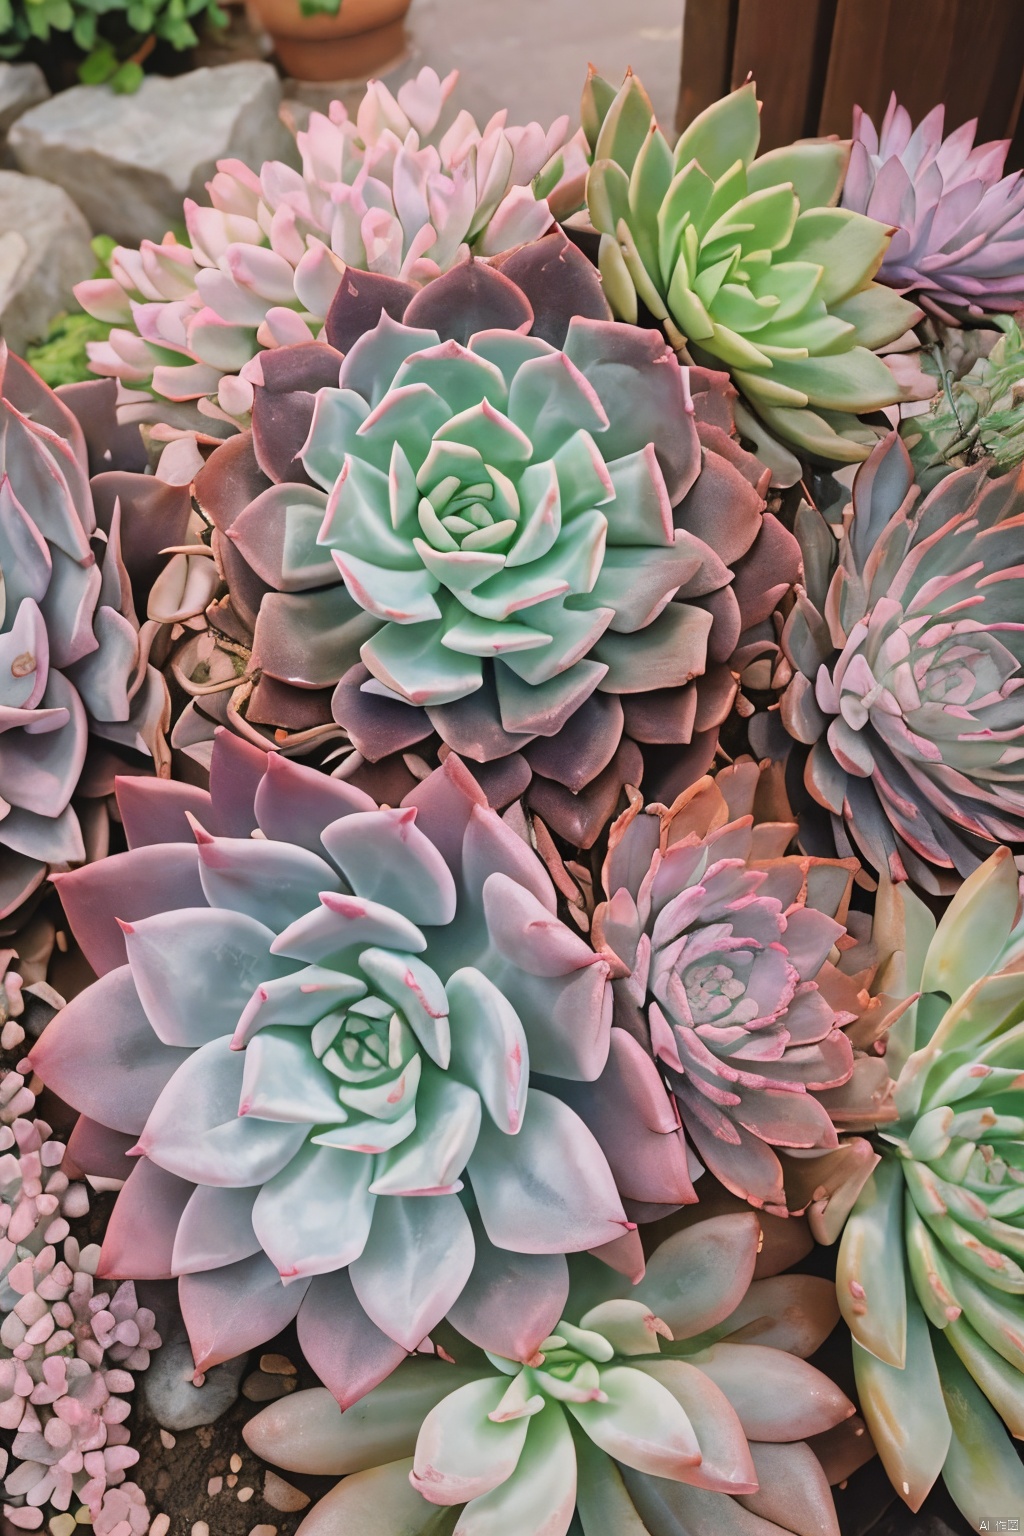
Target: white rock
<point>44,251</point>
<point>21,86</point>
<point>130,161</point>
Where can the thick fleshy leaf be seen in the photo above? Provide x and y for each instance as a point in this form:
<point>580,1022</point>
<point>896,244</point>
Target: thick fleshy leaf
<point>698,1276</point>
<point>195,1128</point>
<point>229,1311</point>
<point>314,1215</point>
<point>307,1432</point>
<point>461,1451</point>
<point>548,1189</point>
<point>540,1495</point>
<point>907,1408</point>
<point>378,1502</point>
<point>511,1301</point>
<point>776,1396</point>
<point>416,1260</point>
<point>101,1055</point>
<point>641,1424</point>
<point>347,1351</point>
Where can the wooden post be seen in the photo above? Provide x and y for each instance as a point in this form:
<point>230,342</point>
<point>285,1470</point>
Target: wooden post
<point>814,60</point>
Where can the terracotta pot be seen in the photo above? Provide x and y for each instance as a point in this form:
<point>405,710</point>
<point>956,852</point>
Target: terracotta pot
<point>360,40</point>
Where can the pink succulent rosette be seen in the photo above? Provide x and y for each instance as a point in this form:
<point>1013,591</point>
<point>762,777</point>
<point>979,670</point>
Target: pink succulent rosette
<point>314,1028</point>
<point>737,1026</point>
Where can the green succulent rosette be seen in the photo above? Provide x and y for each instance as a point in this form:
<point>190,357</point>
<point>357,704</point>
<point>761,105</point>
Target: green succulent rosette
<point>702,1416</point>
<point>746,262</point>
<point>931,1266</point>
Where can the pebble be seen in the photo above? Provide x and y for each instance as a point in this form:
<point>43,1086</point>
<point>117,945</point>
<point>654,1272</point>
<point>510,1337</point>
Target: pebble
<point>172,1399</point>
<point>245,1494</point>
<point>261,1387</point>
<point>281,1495</point>
<point>233,1480</point>
<point>200,1528</point>
<point>236,1462</point>
<point>214,1487</point>
<point>263,1530</point>
<point>161,1525</point>
<point>62,1525</point>
<point>277,1365</point>
<point>167,1440</point>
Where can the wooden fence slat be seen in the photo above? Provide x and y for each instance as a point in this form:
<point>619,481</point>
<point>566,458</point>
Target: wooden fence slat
<point>709,30</point>
<point>784,45</point>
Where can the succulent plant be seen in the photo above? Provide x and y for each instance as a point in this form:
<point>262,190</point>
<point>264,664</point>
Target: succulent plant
<point>727,991</point>
<point>123,1512</point>
<point>682,1406</point>
<point>746,262</point>
<point>302,1033</point>
<point>931,1266</point>
<point>65,1350</point>
<point>398,191</point>
<point>959,222</point>
<point>559,567</point>
<point>36,1195</point>
<point>58,1391</point>
<point>75,559</point>
<point>906,663</point>
<point>976,412</point>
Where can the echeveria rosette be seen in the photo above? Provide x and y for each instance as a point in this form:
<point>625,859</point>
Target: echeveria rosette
<point>685,1405</point>
<point>504,530</point>
<point>729,996</point>
<point>75,558</point>
<point>314,1026</point>
<point>931,1267</point>
<point>906,650</point>
<point>958,222</point>
<point>399,190</point>
<point>747,263</point>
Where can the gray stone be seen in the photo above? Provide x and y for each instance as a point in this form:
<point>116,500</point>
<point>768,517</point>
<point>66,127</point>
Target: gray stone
<point>172,1399</point>
<point>21,86</point>
<point>44,251</point>
<point>130,161</point>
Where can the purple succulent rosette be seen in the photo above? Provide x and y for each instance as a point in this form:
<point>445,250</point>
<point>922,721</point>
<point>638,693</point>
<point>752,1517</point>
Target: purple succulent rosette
<point>958,220</point>
<point>314,1027</point>
<point>734,1027</point>
<point>77,559</point>
<point>489,516</point>
<point>907,649</point>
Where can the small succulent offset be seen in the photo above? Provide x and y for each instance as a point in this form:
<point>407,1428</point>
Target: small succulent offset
<point>683,1406</point>
<point>314,1039</point>
<point>976,413</point>
<point>519,543</point>
<point>746,262</point>
<point>959,222</point>
<point>931,1267</point>
<point>906,655</point>
<point>398,190</point>
<point>721,945</point>
<point>74,658</point>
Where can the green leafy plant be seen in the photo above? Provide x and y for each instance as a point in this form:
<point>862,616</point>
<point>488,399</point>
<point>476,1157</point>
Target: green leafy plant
<point>115,36</point>
<point>61,356</point>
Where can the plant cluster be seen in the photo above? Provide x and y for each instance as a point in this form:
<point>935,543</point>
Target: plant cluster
<point>569,588</point>
<point>66,1350</point>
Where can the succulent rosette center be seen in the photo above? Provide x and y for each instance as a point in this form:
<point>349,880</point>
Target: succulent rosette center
<point>481,507</point>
